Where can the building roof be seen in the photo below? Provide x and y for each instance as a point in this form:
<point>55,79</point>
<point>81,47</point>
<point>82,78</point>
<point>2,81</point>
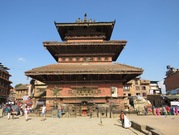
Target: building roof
<point>172,97</point>
<point>113,48</point>
<point>22,87</point>
<point>66,28</point>
<point>85,69</point>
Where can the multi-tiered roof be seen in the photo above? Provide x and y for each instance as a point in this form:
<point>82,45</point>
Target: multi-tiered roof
<point>85,50</point>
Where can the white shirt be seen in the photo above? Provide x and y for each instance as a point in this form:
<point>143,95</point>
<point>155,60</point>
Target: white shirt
<point>43,109</point>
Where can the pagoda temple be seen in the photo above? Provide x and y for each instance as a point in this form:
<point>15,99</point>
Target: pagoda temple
<point>86,74</point>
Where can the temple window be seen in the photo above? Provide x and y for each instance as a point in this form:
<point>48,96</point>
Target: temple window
<point>106,58</point>
<point>84,59</point>
<point>77,58</point>
<point>70,59</point>
<point>63,59</point>
<point>92,59</point>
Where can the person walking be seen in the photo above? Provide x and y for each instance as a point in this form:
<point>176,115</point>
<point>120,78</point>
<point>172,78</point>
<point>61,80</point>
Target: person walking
<point>59,111</point>
<point>43,113</point>
<point>4,110</point>
<point>9,110</point>
<point>26,113</point>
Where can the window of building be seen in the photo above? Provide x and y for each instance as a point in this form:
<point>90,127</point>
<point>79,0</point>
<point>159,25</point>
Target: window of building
<point>84,59</point>
<point>92,58</point>
<point>144,94</point>
<point>99,58</point>
<point>143,87</point>
<point>137,87</point>
<point>136,82</point>
<point>63,59</point>
<point>77,58</point>
<point>138,94</point>
<point>126,87</point>
<point>106,58</point>
<point>70,58</point>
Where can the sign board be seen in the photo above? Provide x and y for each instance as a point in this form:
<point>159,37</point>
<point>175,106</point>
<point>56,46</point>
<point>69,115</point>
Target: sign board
<point>114,91</point>
<point>174,103</point>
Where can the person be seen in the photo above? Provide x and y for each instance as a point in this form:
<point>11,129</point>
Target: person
<point>4,110</point>
<point>91,113</point>
<point>153,110</point>
<point>59,111</point>
<point>127,123</point>
<point>21,111</point>
<point>164,111</point>
<point>43,112</point>
<point>176,110</point>
<point>9,110</point>
<point>122,118</point>
<point>145,110</point>
<point>158,111</point>
<point>26,113</point>
<point>168,110</point>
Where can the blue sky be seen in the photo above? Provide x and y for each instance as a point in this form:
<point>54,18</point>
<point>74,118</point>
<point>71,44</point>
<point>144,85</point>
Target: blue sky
<point>151,28</point>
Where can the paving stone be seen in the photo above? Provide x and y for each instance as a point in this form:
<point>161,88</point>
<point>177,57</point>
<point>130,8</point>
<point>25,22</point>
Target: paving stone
<point>63,126</point>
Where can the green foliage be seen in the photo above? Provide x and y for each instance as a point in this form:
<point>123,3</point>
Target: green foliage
<point>17,85</point>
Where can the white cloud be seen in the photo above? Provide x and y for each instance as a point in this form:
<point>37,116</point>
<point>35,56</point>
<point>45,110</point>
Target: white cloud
<point>21,59</point>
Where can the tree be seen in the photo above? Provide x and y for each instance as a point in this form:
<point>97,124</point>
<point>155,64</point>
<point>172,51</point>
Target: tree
<point>17,85</point>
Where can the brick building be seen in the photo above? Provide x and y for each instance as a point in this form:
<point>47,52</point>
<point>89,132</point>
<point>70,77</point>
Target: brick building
<point>21,92</point>
<point>137,87</point>
<point>172,79</point>
<point>5,83</point>
<point>85,75</point>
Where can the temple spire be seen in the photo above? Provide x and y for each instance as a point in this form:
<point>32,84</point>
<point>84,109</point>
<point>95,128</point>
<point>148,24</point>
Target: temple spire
<point>85,17</point>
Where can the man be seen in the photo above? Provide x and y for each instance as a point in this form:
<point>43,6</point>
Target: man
<point>43,112</point>
<point>9,110</point>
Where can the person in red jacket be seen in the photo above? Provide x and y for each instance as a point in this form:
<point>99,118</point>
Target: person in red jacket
<point>122,118</point>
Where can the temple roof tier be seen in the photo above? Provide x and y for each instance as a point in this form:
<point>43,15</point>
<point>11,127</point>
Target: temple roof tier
<point>89,27</point>
<point>109,47</point>
<point>126,71</point>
